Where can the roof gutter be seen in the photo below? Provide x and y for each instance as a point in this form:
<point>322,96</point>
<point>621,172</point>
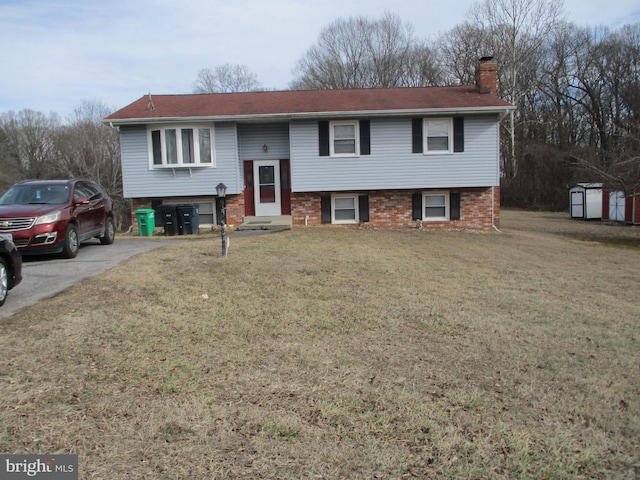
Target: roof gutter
<point>504,110</point>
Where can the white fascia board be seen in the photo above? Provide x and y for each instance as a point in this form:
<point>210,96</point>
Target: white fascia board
<point>315,115</point>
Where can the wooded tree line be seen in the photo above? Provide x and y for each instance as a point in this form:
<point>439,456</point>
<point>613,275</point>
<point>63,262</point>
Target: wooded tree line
<point>577,90</point>
<point>36,146</point>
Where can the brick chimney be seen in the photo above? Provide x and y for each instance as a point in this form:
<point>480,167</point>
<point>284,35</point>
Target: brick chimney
<point>487,76</point>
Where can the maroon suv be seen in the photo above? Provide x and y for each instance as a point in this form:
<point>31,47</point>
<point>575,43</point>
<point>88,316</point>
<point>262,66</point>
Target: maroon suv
<point>53,216</point>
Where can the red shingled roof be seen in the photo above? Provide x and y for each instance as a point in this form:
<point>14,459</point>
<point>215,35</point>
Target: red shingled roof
<point>309,103</point>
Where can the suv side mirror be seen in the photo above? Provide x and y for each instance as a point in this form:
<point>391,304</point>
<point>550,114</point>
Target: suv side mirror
<point>81,201</point>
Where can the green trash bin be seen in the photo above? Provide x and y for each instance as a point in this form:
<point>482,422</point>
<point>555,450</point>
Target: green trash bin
<point>146,221</point>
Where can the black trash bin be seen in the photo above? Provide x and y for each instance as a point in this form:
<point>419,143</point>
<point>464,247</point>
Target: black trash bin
<point>188,219</point>
<point>169,217</point>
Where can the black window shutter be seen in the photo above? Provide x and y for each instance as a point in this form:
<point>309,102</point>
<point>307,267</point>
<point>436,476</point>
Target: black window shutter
<point>454,205</point>
<point>363,208</point>
<point>458,134</point>
<point>323,138</point>
<point>365,137</point>
<point>416,202</point>
<point>416,136</point>
<point>325,209</point>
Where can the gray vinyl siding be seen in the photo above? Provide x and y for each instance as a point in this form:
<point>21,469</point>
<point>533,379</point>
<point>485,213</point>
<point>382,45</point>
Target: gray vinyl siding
<point>142,181</point>
<point>253,137</point>
<point>392,165</point>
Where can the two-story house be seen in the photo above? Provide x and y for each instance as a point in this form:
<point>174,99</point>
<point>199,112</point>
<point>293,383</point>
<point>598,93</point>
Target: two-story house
<point>382,157</point>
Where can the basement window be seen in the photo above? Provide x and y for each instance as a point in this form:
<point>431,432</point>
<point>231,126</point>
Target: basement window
<point>436,206</point>
<point>344,209</point>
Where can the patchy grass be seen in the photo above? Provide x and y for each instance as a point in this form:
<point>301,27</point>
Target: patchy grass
<point>340,353</point>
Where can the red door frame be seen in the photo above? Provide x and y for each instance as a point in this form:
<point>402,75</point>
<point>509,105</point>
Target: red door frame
<point>249,200</point>
<point>285,188</point>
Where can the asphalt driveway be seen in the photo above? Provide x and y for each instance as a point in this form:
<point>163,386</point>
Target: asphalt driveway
<point>45,276</point>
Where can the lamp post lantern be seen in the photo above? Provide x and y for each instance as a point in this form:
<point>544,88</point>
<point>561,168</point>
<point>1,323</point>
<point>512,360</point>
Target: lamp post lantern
<point>221,190</point>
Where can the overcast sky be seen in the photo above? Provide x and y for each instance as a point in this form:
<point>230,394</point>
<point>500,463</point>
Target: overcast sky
<point>56,53</point>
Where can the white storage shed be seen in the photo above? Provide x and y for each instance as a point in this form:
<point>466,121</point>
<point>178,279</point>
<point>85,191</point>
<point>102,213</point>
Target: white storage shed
<point>585,200</point>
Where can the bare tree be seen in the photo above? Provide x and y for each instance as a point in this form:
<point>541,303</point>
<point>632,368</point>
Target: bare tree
<point>422,68</point>
<point>89,149</point>
<point>9,171</point>
<point>226,79</point>
<point>459,50</point>
<point>29,142</point>
<point>603,83</point>
<point>359,52</point>
<point>579,116</point>
<point>516,32</point>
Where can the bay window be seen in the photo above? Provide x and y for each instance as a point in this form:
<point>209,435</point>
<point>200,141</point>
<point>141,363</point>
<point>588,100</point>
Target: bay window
<point>176,146</point>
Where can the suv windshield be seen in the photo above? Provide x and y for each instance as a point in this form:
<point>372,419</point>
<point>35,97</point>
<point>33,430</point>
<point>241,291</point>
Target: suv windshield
<point>36,195</point>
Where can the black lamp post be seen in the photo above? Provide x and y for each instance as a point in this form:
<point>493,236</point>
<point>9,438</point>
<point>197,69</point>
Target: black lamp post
<point>221,190</point>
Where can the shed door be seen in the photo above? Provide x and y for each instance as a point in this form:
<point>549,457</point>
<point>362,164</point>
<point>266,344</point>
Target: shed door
<point>577,204</point>
<point>616,206</point>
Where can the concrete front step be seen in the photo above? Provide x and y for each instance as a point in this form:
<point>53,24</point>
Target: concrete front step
<point>282,222</point>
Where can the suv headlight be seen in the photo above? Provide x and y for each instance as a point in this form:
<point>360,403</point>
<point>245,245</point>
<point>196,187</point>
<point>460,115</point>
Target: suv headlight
<point>49,217</point>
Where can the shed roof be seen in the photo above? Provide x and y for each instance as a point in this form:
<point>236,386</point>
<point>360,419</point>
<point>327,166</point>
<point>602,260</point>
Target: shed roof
<point>309,103</point>
<point>587,186</point>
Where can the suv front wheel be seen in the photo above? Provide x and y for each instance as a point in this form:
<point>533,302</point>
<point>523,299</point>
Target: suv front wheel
<point>71,242</point>
<point>4,281</point>
<point>109,232</point>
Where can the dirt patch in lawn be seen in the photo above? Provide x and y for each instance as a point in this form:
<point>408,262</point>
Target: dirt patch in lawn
<point>340,353</point>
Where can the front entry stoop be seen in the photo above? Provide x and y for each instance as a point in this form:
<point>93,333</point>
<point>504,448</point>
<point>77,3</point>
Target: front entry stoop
<point>282,222</point>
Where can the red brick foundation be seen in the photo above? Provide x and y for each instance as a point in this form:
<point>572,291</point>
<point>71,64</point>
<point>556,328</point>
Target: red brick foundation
<point>235,209</point>
<point>393,209</point>
<point>387,209</point>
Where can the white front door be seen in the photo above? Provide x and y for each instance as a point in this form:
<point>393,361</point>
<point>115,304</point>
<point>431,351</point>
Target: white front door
<point>267,187</point>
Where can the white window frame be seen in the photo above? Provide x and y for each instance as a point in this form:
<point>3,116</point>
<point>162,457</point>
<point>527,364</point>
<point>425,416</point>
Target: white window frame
<point>356,129</point>
<point>196,146</point>
<point>426,123</point>
<point>356,218</point>
<point>447,206</point>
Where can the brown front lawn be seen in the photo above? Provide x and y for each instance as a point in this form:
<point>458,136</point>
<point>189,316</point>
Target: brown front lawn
<point>341,353</point>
